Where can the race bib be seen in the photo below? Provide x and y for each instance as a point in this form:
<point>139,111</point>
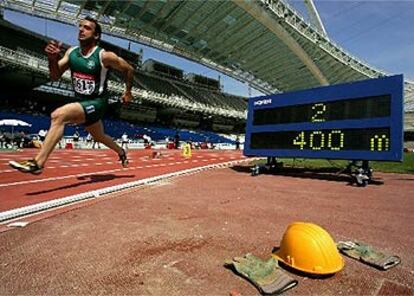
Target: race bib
<point>83,83</point>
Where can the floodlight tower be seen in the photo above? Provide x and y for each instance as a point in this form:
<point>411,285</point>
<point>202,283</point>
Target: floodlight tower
<point>315,18</point>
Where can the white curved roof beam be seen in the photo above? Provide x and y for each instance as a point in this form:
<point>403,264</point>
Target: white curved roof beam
<point>314,15</point>
<point>281,33</point>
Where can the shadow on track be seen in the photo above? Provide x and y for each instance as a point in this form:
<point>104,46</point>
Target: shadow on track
<point>327,173</point>
<point>89,179</point>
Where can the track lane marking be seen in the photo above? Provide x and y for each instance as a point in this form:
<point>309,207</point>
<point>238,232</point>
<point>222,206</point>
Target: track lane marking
<point>83,174</point>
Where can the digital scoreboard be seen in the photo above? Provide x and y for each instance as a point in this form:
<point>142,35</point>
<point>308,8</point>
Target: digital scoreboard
<point>357,121</point>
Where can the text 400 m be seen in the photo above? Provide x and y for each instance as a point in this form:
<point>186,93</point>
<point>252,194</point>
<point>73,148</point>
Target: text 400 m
<point>335,140</point>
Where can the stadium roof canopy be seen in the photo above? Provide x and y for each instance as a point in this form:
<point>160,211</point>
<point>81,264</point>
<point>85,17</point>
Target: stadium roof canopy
<point>261,42</point>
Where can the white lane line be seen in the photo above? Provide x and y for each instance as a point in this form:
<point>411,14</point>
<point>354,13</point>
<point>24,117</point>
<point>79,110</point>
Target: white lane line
<point>78,175</point>
<point>60,178</point>
<point>27,210</point>
<point>66,165</point>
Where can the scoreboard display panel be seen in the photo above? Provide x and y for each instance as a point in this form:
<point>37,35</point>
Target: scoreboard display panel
<point>362,120</point>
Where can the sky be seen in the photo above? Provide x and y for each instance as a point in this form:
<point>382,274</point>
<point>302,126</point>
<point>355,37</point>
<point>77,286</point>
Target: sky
<point>379,33</point>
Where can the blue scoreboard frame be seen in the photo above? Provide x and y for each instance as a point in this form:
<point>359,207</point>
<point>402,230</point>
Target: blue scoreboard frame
<point>362,120</point>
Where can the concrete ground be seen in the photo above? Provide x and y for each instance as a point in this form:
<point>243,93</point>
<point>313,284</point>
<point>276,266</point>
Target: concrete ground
<point>173,237</point>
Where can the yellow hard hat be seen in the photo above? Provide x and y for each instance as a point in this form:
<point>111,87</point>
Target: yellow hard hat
<point>309,248</point>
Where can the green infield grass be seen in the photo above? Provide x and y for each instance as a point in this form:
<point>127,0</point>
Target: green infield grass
<point>404,167</point>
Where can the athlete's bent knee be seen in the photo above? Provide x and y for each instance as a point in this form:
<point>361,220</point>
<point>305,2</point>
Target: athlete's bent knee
<point>58,116</point>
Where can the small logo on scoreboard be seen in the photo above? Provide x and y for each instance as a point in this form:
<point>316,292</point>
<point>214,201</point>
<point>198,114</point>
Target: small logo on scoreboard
<point>262,102</point>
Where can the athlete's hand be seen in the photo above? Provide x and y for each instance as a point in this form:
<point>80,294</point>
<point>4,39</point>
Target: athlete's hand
<point>53,49</point>
<point>127,97</point>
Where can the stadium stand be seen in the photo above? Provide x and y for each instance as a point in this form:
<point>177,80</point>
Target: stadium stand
<point>20,39</point>
<point>116,128</point>
<point>168,82</point>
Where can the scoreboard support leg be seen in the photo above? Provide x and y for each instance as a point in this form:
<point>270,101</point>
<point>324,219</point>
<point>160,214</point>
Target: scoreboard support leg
<point>359,170</point>
<point>362,173</point>
<point>271,165</point>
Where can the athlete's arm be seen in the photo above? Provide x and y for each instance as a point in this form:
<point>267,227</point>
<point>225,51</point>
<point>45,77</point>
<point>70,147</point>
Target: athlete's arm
<point>111,60</point>
<point>57,65</point>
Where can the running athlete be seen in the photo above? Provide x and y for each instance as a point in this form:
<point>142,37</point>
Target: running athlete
<point>89,65</point>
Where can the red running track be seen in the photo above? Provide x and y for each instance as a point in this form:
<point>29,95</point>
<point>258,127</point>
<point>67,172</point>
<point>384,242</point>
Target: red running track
<point>69,172</point>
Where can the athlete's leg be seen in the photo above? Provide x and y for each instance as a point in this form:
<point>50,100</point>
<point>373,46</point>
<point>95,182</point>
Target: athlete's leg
<point>69,113</point>
<point>97,131</point>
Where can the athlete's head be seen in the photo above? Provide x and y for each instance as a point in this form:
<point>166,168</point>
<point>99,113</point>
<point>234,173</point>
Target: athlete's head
<point>89,31</point>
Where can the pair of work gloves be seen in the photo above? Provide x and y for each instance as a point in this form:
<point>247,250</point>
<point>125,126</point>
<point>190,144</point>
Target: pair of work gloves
<point>265,275</point>
<point>269,279</point>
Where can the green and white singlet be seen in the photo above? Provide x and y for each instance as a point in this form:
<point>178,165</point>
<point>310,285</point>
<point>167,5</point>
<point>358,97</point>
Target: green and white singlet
<point>89,80</point>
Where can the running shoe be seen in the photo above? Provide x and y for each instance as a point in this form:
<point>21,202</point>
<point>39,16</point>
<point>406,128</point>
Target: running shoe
<point>26,166</point>
<point>123,158</point>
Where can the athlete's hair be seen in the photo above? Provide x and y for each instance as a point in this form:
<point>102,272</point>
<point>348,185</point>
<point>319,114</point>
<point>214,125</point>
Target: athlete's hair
<point>98,29</point>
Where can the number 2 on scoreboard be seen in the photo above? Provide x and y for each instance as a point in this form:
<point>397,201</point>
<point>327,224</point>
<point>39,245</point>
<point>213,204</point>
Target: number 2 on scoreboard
<point>319,109</point>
